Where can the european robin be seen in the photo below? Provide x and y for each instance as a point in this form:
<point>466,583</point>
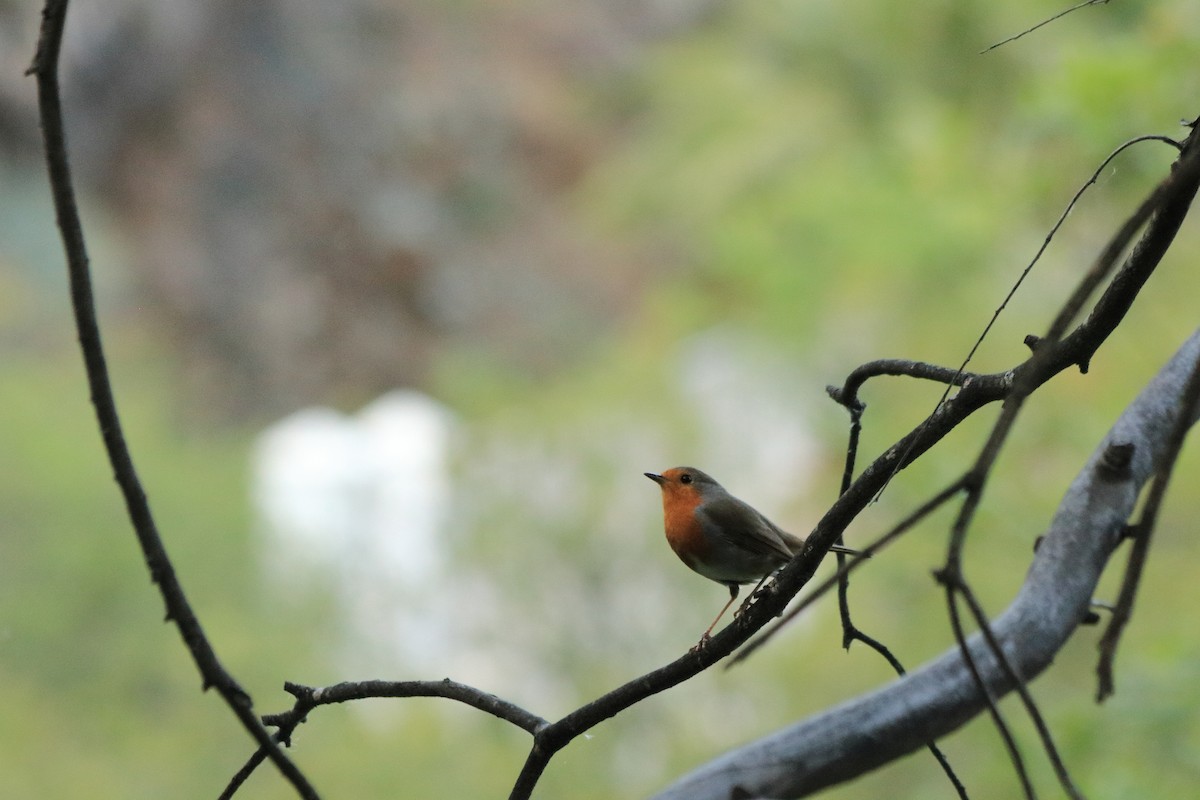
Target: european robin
<point>721,537</point>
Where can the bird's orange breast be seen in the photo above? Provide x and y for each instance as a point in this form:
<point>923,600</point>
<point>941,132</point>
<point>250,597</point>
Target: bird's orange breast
<point>683,529</point>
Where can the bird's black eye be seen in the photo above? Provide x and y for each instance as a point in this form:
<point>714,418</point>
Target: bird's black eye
<point>685,478</point>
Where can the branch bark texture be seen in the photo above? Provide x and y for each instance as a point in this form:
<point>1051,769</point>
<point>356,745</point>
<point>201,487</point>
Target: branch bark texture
<point>874,729</point>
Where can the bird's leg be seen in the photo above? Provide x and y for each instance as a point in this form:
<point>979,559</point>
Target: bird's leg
<point>753,596</point>
<point>767,584</point>
<point>733,593</point>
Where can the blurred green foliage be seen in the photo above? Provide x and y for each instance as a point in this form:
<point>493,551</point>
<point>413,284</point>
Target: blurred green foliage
<point>833,181</point>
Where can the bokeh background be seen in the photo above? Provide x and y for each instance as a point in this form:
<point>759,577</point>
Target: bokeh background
<point>401,298</point>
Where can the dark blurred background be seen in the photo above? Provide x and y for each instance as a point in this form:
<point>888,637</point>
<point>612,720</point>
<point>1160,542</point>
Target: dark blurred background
<point>319,202</point>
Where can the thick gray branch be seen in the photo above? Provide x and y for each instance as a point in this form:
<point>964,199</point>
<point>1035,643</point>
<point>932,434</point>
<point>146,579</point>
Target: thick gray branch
<point>866,732</point>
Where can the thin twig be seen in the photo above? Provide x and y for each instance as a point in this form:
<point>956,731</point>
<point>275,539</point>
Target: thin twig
<point>1171,198</point>
<point>951,576</point>
<point>446,688</point>
<point>1021,687</point>
<point>1174,196</point>
<point>939,756</point>
<point>953,587</point>
<point>1043,23</point>
<point>308,698</point>
<point>1023,387</point>
<point>847,393</point>
<point>1123,610</point>
<point>960,376</point>
<point>851,632</point>
<point>247,769</point>
<point>1091,181</point>
<point>179,610</point>
<point>927,508</point>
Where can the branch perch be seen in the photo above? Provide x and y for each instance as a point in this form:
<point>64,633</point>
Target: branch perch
<point>872,730</point>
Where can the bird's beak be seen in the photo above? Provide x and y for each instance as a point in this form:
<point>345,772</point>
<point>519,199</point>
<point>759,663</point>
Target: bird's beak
<point>659,479</point>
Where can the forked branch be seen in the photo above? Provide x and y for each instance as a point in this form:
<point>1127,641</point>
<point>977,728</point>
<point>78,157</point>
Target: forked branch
<point>872,730</point>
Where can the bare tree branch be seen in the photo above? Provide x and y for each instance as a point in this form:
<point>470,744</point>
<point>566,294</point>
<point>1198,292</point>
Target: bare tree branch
<point>851,632</point>
<point>1043,23</point>
<point>308,698</point>
<point>1164,209</point>
<point>864,733</point>
<point>955,587</point>
<point>1162,213</point>
<point>879,727</point>
<point>179,610</point>
<point>874,547</point>
<point>1141,538</point>
<point>847,393</point>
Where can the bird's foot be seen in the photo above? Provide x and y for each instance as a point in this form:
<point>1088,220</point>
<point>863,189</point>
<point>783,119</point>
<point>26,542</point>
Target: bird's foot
<point>767,587</point>
<point>749,601</point>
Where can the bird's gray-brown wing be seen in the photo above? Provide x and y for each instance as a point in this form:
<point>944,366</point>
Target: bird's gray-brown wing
<point>759,534</point>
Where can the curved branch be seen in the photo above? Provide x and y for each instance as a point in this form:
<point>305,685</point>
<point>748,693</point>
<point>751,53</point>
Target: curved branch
<point>1161,213</point>
<point>847,393</point>
<point>308,698</point>
<point>872,730</point>
<point>179,610</point>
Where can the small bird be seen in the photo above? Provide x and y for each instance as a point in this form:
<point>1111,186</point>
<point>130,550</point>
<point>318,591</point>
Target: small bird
<point>721,537</point>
